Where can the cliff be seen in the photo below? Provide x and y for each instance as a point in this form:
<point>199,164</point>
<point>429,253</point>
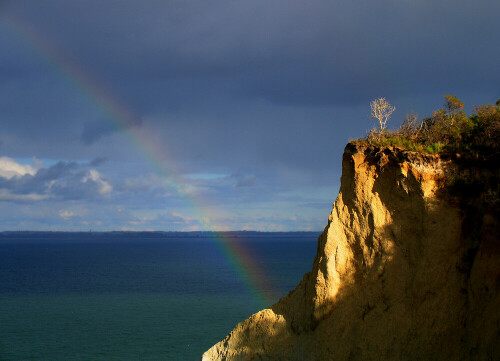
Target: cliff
<point>408,267</point>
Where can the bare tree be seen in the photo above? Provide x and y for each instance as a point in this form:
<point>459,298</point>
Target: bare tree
<point>411,126</point>
<point>381,110</point>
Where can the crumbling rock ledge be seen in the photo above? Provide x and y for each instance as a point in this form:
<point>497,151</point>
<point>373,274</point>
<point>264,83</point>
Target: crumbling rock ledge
<point>408,268</point>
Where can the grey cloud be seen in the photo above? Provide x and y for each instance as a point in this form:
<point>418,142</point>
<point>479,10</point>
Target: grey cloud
<point>94,131</point>
<point>96,162</point>
<point>57,171</point>
<point>64,180</point>
<point>142,184</point>
<point>38,183</point>
<point>77,186</point>
<point>247,180</point>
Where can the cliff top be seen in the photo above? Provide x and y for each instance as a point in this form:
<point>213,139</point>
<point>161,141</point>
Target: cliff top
<point>468,179</point>
<point>447,130</point>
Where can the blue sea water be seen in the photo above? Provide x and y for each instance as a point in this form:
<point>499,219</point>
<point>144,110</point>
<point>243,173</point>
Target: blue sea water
<point>134,296</point>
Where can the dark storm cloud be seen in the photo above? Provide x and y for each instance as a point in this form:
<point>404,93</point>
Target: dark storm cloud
<point>292,52</point>
<point>163,57</point>
<point>160,55</point>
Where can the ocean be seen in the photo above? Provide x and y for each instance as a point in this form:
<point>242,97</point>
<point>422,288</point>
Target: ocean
<point>137,296</point>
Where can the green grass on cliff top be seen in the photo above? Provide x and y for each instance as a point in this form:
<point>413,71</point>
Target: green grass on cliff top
<point>447,130</point>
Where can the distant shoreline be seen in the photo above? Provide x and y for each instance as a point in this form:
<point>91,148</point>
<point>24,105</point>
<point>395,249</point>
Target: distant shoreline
<point>117,236</point>
<point>163,233</point>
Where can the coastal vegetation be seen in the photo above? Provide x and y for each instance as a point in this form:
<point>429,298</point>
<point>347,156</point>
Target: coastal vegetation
<point>472,140</point>
<point>448,129</point>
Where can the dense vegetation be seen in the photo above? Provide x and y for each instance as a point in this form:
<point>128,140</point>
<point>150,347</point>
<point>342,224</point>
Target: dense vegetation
<point>447,130</point>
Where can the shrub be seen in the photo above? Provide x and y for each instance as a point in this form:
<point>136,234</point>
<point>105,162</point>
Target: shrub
<point>448,129</point>
<point>453,105</point>
<point>411,127</point>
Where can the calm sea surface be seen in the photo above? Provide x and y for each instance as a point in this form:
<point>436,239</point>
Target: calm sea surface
<point>144,296</point>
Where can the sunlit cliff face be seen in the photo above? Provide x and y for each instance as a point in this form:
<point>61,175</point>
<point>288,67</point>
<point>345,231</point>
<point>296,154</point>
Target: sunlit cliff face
<point>394,273</point>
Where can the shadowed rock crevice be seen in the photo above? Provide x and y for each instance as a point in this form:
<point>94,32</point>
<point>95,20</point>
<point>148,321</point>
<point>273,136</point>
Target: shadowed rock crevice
<point>402,271</point>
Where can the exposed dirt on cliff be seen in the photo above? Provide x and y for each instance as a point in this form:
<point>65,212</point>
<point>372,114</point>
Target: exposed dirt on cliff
<point>408,267</point>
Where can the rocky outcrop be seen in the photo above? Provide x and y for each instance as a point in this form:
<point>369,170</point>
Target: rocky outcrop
<point>408,268</point>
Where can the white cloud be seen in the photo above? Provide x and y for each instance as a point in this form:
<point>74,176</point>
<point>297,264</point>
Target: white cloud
<point>144,182</point>
<point>10,168</point>
<point>66,214</point>
<point>94,175</point>
<point>127,229</point>
<point>186,219</point>
<point>5,195</point>
<point>191,229</point>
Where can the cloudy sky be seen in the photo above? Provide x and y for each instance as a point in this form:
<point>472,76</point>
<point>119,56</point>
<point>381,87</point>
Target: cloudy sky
<point>192,114</point>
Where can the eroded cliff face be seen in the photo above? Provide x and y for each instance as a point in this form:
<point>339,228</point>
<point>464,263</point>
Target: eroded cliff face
<point>404,270</point>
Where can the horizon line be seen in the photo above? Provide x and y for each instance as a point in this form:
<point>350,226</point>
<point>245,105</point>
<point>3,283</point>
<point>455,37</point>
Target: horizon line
<point>138,231</point>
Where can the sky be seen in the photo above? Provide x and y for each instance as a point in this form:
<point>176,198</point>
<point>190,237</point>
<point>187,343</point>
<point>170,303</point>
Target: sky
<point>215,115</point>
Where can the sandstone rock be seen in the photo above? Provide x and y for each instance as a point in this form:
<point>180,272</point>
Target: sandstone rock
<point>406,269</point>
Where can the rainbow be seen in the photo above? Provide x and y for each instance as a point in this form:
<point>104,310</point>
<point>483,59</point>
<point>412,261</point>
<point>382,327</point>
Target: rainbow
<point>238,256</point>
